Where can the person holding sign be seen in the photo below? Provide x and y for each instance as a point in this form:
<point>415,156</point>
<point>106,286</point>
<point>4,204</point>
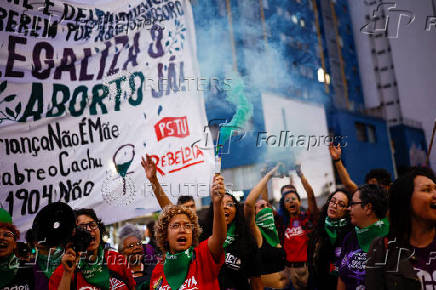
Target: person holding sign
<point>96,267</point>
<point>12,274</point>
<point>261,220</point>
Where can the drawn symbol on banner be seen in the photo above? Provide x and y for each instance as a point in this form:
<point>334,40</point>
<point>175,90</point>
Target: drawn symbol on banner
<point>8,113</point>
<point>175,38</point>
<point>145,116</point>
<point>122,159</point>
<point>159,109</point>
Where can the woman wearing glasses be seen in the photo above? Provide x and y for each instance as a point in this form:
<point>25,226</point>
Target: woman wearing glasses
<point>406,260</point>
<point>298,222</point>
<point>12,274</point>
<point>96,268</point>
<point>141,264</point>
<point>187,263</point>
<point>368,211</point>
<point>325,244</point>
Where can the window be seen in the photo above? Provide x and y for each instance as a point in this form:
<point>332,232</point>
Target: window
<point>365,132</point>
<point>372,138</point>
<point>361,132</point>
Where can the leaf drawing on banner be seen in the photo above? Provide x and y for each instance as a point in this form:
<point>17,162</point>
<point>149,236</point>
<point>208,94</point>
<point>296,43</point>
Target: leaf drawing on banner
<point>3,86</point>
<point>10,98</point>
<point>18,109</point>
<point>10,112</point>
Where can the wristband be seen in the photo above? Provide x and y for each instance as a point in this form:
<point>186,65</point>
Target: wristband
<point>336,160</point>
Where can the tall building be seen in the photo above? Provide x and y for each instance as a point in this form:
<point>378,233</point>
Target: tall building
<point>301,74</point>
<point>366,133</point>
<point>394,41</point>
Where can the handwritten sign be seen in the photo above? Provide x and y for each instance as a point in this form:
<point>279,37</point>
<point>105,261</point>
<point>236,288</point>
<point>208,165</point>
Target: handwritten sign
<point>86,89</point>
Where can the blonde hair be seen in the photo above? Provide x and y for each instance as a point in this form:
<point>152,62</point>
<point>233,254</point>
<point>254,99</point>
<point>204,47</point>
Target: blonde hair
<point>161,227</point>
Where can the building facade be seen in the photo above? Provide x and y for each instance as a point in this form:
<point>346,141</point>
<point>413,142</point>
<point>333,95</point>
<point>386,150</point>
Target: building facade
<point>298,50</point>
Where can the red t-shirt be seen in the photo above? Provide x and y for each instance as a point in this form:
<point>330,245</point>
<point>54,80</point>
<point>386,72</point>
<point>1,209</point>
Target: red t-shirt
<point>116,263</point>
<point>202,273</point>
<point>296,237</point>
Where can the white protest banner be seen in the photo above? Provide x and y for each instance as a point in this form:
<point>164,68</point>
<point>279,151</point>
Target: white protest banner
<point>86,89</point>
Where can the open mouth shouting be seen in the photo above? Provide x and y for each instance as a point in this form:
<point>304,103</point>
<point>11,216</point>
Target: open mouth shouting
<point>433,205</point>
<point>3,245</point>
<point>293,208</point>
<point>182,241</point>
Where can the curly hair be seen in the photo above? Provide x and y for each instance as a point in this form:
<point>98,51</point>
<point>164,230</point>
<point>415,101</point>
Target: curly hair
<point>11,228</point>
<point>161,227</point>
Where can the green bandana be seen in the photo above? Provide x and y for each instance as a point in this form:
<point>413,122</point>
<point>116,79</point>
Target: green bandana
<point>49,263</point>
<point>366,235</point>
<point>265,222</point>
<point>230,235</point>
<point>176,267</point>
<point>8,270</point>
<point>332,226</point>
<point>96,273</point>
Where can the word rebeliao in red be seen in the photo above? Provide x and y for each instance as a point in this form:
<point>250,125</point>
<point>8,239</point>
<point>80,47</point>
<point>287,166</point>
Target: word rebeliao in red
<point>174,161</point>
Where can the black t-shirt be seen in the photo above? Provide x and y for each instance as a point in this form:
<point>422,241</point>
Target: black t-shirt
<point>323,258</point>
<point>23,280</point>
<point>273,258</point>
<point>239,267</point>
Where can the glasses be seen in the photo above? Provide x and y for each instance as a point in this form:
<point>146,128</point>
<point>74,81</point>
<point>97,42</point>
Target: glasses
<point>7,235</point>
<point>92,226</point>
<point>186,227</point>
<point>340,204</point>
<point>230,204</point>
<point>132,245</point>
<point>355,202</point>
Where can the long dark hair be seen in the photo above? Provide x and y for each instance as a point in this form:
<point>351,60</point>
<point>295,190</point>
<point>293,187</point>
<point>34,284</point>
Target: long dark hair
<point>400,210</point>
<point>319,228</point>
<point>244,241</point>
<point>318,237</point>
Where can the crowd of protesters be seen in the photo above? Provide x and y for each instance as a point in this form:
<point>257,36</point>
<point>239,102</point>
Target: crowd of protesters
<point>380,235</point>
